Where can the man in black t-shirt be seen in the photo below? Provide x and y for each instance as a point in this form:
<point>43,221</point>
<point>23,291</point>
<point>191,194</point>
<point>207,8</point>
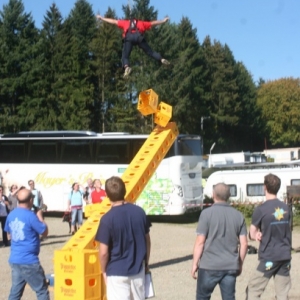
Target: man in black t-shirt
<point>271,227</point>
<point>124,249</point>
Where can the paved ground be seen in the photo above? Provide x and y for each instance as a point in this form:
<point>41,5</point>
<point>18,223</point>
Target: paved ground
<point>170,263</point>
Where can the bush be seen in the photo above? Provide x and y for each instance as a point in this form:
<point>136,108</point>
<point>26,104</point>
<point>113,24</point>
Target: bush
<point>247,209</point>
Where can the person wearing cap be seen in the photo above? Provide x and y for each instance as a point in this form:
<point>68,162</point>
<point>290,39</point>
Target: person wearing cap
<point>25,228</point>
<point>220,247</point>
<point>133,35</point>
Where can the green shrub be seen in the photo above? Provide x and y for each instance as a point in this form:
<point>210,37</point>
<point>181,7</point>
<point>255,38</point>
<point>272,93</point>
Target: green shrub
<point>247,209</point>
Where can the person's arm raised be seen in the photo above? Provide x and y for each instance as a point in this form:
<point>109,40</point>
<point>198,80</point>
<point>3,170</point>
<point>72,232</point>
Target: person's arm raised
<point>107,20</point>
<point>158,22</point>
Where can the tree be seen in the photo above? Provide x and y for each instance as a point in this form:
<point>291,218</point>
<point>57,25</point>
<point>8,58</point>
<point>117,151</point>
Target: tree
<point>187,78</point>
<point>221,93</point>
<point>75,78</point>
<point>248,132</point>
<point>46,94</point>
<point>19,66</point>
<point>279,101</point>
<point>106,65</point>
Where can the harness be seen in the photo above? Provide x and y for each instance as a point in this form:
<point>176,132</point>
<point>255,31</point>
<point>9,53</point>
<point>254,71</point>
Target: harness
<point>132,26</point>
<point>133,34</point>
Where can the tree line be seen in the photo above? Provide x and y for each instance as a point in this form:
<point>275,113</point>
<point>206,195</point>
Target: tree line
<point>68,76</point>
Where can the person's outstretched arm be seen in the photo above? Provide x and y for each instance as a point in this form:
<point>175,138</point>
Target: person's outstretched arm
<point>158,22</point>
<point>107,20</point>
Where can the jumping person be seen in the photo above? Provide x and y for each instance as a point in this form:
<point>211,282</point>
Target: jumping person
<point>133,35</point>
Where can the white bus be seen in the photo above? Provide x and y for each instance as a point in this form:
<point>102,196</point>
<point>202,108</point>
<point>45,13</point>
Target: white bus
<point>246,183</point>
<point>56,159</point>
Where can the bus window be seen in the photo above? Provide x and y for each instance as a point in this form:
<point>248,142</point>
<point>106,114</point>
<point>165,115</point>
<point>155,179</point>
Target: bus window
<point>255,189</point>
<point>188,146</point>
<point>113,152</point>
<point>295,182</point>
<point>76,151</point>
<point>12,151</point>
<point>233,190</point>
<point>137,145</point>
<point>42,152</point>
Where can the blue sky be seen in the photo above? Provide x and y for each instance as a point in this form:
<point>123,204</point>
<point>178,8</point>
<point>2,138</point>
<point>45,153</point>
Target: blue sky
<point>263,34</point>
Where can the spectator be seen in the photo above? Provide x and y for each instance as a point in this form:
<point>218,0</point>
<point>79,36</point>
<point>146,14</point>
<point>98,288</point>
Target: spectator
<point>220,247</point>
<point>75,206</point>
<point>38,198</point>
<point>24,228</point>
<point>3,172</point>
<point>125,250</point>
<point>271,227</point>
<point>87,196</point>
<point>4,211</point>
<point>98,194</point>
<point>12,197</point>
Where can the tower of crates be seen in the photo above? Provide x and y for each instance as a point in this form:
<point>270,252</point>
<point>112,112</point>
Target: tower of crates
<point>77,271</point>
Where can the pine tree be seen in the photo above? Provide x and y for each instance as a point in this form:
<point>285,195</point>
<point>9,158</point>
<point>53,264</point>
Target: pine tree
<point>187,79</point>
<point>106,48</point>
<point>75,77</point>
<point>221,93</point>
<point>46,95</point>
<point>19,66</point>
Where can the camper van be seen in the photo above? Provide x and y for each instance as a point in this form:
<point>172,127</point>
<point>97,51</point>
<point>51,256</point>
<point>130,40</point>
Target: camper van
<point>246,185</point>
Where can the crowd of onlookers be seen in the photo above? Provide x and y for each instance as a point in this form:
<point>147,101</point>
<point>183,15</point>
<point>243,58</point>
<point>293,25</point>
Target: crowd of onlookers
<point>91,194</point>
<point>10,202</point>
<point>220,247</point>
<point>23,228</point>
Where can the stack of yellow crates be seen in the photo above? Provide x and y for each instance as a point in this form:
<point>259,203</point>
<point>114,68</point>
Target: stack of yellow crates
<point>78,275</point>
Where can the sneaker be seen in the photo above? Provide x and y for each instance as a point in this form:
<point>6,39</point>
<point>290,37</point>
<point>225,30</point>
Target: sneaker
<point>127,71</point>
<point>165,62</point>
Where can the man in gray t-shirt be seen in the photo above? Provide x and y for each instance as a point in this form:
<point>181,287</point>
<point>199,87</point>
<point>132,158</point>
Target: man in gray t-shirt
<point>220,247</point>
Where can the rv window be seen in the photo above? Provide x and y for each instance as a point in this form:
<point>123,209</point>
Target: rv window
<point>255,189</point>
<point>233,190</point>
<point>295,182</point>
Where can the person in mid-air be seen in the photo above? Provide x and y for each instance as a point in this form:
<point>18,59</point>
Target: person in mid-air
<point>133,35</point>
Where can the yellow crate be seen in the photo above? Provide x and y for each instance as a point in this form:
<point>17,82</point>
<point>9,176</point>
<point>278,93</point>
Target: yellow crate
<point>79,287</point>
<point>103,207</point>
<point>147,160</point>
<point>163,114</point>
<point>147,103</point>
<point>84,262</point>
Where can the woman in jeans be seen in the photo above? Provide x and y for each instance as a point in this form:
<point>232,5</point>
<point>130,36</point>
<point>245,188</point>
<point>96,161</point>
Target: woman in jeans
<point>75,206</point>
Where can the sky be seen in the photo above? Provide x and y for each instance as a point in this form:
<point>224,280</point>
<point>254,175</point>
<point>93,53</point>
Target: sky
<point>262,34</point>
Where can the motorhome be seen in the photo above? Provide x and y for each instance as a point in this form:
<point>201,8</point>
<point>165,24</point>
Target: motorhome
<point>246,184</point>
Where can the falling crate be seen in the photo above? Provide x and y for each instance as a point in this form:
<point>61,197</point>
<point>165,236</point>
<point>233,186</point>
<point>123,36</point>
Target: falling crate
<point>147,103</point>
<point>163,114</point>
